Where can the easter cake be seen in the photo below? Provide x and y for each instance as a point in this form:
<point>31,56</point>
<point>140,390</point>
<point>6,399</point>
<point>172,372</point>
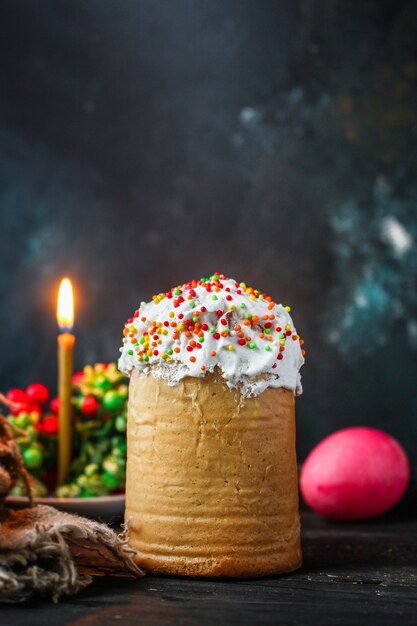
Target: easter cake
<point>211,484</point>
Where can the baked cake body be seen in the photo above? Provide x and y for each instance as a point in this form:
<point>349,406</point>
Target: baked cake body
<point>211,479</point>
<point>211,469</point>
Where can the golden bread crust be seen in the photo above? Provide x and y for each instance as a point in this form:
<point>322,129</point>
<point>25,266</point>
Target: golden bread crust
<point>211,479</point>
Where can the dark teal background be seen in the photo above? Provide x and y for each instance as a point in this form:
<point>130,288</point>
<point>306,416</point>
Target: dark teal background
<point>144,143</point>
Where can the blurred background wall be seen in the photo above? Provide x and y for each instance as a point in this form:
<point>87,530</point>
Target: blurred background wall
<point>144,143</point>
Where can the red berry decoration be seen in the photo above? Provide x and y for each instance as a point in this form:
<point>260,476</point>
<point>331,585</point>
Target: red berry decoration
<point>19,397</point>
<point>50,424</point>
<point>89,406</point>
<point>38,394</point>
<point>54,406</point>
<point>78,378</point>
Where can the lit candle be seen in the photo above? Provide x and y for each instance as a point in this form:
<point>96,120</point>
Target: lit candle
<point>66,340</point>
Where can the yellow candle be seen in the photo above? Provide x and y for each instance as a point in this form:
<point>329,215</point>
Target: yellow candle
<point>66,340</point>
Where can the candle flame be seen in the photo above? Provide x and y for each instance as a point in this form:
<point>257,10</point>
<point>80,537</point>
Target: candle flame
<point>65,307</point>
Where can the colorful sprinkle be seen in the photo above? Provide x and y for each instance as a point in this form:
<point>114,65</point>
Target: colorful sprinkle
<point>153,340</point>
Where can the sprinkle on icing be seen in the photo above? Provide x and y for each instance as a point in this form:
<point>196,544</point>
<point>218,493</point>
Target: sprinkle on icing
<point>215,322</point>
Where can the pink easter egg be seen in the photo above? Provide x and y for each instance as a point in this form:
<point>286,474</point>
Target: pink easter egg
<point>354,474</point>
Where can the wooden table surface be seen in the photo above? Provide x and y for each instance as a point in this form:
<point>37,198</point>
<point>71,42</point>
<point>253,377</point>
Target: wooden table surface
<point>352,574</point>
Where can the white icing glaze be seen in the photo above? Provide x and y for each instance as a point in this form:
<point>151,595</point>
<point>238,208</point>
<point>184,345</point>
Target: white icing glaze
<point>158,341</point>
